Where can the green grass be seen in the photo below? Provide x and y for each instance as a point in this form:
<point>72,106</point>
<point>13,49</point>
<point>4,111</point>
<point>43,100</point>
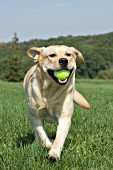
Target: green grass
<point>89,145</point>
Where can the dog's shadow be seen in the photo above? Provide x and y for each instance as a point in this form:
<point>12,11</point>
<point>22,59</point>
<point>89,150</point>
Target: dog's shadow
<point>29,138</point>
<point>22,141</point>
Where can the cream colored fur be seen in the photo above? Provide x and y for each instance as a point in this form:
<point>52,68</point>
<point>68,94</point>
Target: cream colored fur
<point>48,100</point>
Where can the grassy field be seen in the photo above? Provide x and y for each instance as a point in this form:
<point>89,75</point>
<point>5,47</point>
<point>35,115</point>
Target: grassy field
<point>89,145</point>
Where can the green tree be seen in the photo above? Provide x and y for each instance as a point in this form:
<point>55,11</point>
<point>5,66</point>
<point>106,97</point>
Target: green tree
<point>14,71</point>
<point>105,74</point>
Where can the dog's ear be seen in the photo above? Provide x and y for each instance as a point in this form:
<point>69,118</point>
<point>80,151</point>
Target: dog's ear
<point>79,57</point>
<point>35,53</point>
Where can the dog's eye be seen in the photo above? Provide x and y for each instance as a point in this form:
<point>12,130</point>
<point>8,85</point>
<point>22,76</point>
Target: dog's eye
<point>52,55</point>
<point>68,54</point>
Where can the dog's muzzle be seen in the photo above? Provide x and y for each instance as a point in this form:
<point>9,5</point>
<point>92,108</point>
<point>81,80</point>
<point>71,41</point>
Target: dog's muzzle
<point>63,62</point>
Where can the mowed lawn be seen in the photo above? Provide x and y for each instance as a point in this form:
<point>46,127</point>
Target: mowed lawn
<point>89,145</point>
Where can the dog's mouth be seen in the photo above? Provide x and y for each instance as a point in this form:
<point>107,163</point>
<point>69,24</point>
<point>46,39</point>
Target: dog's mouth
<point>60,76</point>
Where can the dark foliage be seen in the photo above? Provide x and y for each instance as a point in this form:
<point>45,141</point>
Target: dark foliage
<point>97,51</point>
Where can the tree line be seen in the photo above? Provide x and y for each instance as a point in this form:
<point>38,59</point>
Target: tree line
<point>96,49</point>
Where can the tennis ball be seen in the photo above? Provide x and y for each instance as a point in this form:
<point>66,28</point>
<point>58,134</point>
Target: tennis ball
<point>62,74</point>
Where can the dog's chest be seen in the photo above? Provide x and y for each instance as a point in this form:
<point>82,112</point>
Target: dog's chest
<point>54,96</point>
<point>47,101</point>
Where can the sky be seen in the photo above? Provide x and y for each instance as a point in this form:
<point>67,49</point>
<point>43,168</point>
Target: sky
<point>39,19</point>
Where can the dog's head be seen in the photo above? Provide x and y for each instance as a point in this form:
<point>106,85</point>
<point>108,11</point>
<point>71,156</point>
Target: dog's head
<point>55,58</point>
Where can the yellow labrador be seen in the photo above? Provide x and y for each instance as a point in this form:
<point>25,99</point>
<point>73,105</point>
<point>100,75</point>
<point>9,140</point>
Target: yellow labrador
<point>49,98</point>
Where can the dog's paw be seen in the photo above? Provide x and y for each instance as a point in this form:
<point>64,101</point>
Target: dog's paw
<point>47,144</point>
<point>54,154</point>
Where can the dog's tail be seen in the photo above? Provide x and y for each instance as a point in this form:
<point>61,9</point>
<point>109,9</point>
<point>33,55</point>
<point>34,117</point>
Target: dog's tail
<point>80,100</point>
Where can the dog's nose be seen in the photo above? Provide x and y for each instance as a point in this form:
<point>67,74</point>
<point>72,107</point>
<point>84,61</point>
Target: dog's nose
<point>63,62</point>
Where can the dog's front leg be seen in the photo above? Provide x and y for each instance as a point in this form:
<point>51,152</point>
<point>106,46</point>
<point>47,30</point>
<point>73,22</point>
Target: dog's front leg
<point>62,131</point>
<point>38,125</point>
<point>43,136</point>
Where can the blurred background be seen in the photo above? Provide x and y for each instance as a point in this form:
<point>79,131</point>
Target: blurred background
<point>86,25</point>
